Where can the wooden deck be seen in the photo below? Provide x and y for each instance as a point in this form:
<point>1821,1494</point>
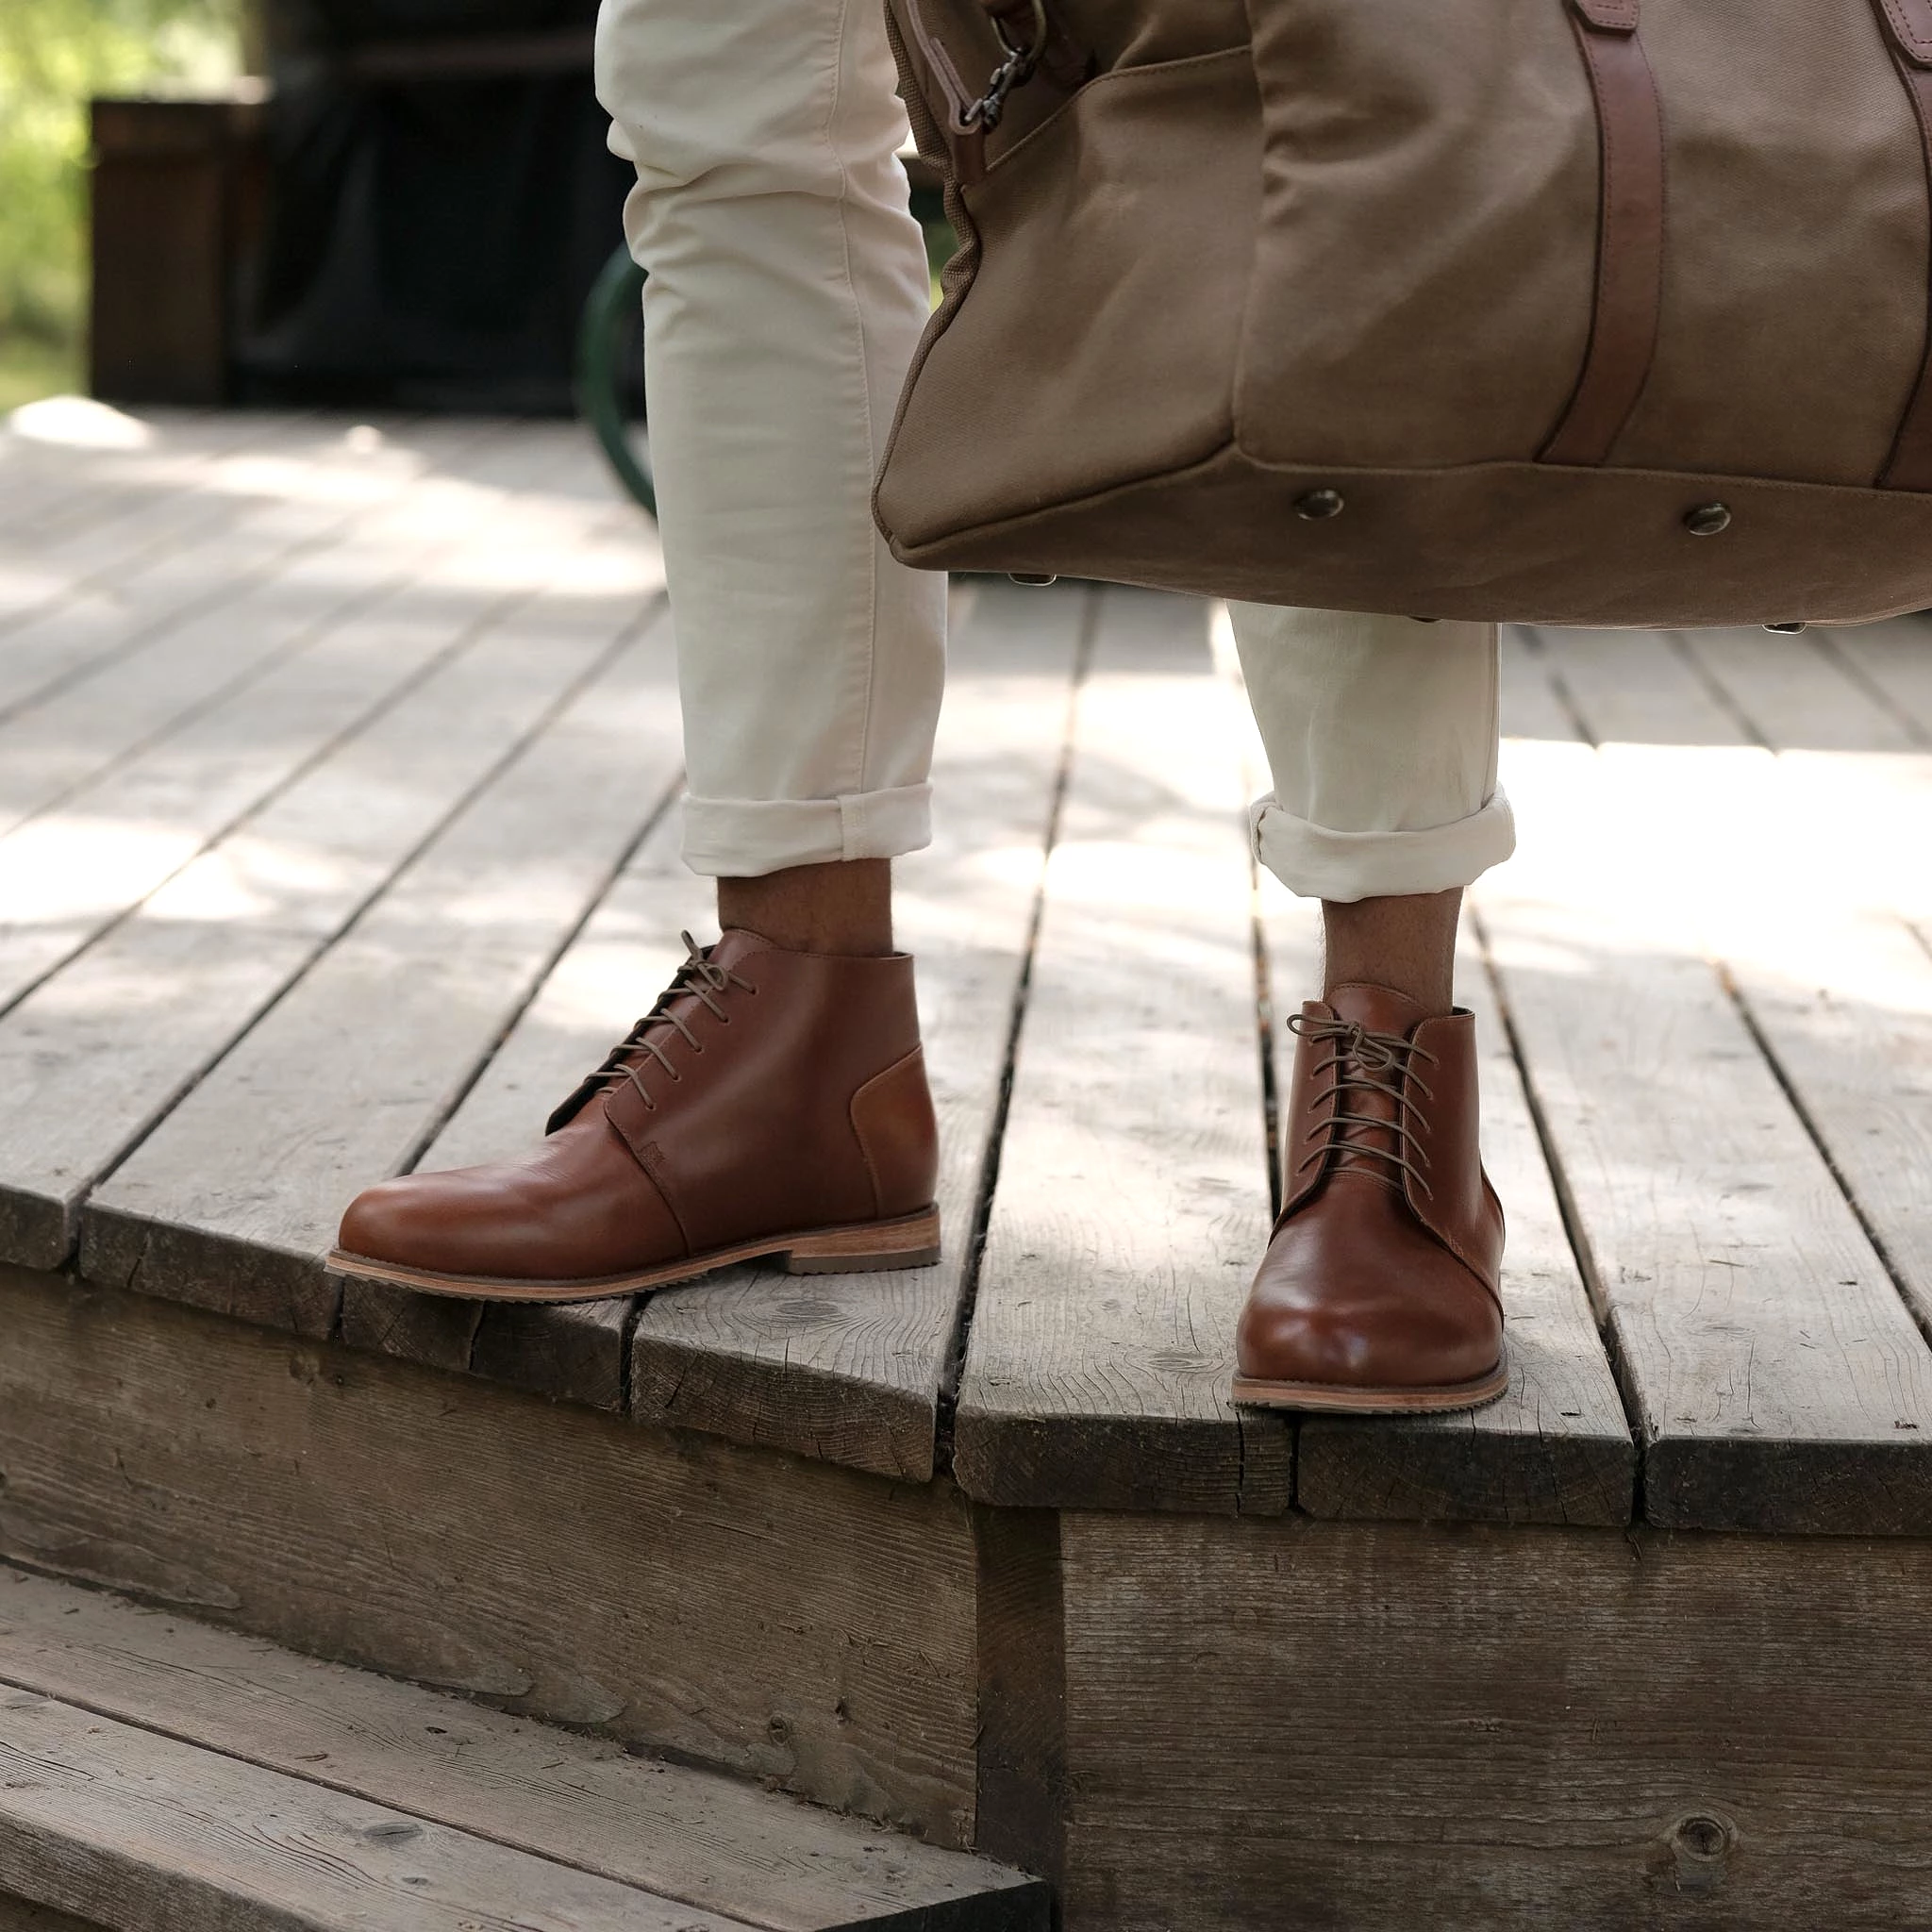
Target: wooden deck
<point>339,772</point>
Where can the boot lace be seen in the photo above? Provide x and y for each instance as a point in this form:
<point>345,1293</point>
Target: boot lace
<point>699,977</point>
<point>1366,1063</point>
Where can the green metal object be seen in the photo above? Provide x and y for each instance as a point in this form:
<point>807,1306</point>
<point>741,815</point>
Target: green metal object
<point>609,315</point>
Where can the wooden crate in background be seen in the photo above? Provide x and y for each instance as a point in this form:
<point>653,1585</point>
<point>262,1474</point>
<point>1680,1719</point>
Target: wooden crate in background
<point>177,192</point>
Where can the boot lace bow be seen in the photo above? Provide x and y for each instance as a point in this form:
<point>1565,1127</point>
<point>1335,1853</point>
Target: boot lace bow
<point>1364,1064</point>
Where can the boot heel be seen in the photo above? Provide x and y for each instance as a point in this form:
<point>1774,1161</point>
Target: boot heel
<point>912,1242</point>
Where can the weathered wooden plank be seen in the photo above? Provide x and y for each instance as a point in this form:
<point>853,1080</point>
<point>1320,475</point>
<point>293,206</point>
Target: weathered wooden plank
<point>19,1915</point>
<point>1837,984</point>
<point>1775,1381</point>
<point>1492,1730</point>
<point>851,1367</point>
<point>90,724</point>
<point>234,1200</point>
<point>1633,687</point>
<point>138,1831</point>
<point>61,475</point>
<point>96,1054</point>
<point>754,1612</point>
<point>1132,1202</point>
<point>1020,1813</point>
<point>1894,660</point>
<point>285,508</point>
<point>72,604</point>
<point>1794,692</point>
<point>1556,1448</point>
<point>710,1841</point>
<point>1846,1013</point>
<point>66,874</point>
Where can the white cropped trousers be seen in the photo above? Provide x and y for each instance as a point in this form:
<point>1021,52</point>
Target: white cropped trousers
<point>787,287</point>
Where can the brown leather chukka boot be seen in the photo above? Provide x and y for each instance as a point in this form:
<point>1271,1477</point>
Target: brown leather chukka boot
<point>770,1103</point>
<point>1378,1293</point>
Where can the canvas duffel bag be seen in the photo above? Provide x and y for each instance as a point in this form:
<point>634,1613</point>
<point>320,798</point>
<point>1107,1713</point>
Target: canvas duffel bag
<point>1569,311</point>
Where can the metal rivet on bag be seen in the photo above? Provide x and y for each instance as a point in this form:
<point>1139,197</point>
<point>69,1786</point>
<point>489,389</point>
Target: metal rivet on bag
<point>1787,631</point>
<point>1032,580</point>
<point>1318,506</point>
<point>1709,518</point>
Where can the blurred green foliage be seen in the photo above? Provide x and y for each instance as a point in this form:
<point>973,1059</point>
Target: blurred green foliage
<point>54,54</point>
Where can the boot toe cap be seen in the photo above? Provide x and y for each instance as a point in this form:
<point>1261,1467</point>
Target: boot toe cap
<point>1397,1312</point>
<point>397,1221</point>
<point>1351,1348</point>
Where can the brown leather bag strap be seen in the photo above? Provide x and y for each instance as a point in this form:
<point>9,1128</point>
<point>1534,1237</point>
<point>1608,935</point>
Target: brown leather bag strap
<point>1630,246</point>
<point>1910,21</point>
<point>1909,465</point>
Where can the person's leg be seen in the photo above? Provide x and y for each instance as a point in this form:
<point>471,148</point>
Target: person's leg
<point>1406,943</point>
<point>787,287</point>
<point>844,906</point>
<point>773,1101</point>
<point>1379,1291</point>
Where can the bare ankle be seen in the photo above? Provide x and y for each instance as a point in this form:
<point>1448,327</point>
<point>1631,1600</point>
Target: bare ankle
<point>1407,943</point>
<point>845,907</point>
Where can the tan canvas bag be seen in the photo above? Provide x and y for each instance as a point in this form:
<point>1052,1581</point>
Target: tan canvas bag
<point>1569,312</point>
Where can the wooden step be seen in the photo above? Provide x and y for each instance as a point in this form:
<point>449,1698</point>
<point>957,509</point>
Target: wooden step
<point>155,1771</point>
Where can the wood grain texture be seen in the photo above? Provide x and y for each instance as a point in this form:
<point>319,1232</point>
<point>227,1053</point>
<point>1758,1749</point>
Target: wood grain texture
<point>1486,1729</point>
<point>1021,1814</point>
<point>1556,1448</point>
<point>19,1915</point>
<point>66,873</point>
<point>709,1841</point>
<point>1633,687</point>
<point>377,538</point>
<point>1132,1203</point>
<point>70,606</point>
<point>52,478</point>
<point>351,759</point>
<point>1793,693</point>
<point>1893,661</point>
<point>1817,929</point>
<point>1775,1379</point>
<point>140,1832</point>
<point>59,478</point>
<point>141,504</point>
<point>850,1367</point>
<point>358,1065</point>
<point>759,1614</point>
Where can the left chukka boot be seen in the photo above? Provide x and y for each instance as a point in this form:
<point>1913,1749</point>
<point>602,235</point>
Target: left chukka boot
<point>772,1104</point>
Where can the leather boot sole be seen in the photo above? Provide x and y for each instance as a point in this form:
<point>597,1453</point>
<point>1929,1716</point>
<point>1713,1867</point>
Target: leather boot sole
<point>1336,1398</point>
<point>913,1241</point>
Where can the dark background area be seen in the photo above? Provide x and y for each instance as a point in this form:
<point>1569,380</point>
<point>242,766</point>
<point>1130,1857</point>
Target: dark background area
<point>412,214</point>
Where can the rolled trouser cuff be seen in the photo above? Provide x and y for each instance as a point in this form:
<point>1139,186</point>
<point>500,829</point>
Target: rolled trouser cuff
<point>1318,864</point>
<point>746,837</point>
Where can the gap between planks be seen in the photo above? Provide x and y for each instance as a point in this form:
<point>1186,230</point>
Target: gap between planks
<point>1777,1380</point>
<point>370,729</point>
<point>694,1837</point>
<point>342,1074</point>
